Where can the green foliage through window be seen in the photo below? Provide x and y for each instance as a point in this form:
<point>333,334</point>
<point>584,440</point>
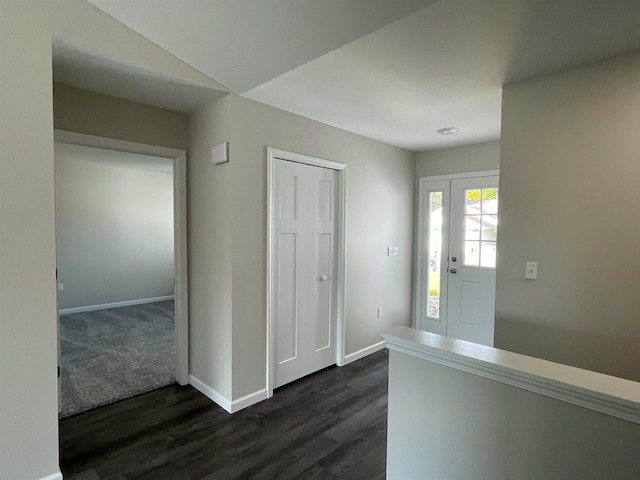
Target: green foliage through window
<point>436,200</point>
<point>487,194</point>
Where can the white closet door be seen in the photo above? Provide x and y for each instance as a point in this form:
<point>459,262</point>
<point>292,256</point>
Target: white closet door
<point>305,207</point>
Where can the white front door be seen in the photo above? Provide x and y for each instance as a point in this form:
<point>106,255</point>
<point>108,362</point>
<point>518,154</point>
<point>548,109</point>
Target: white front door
<point>473,233</point>
<point>304,269</point>
<point>459,220</point>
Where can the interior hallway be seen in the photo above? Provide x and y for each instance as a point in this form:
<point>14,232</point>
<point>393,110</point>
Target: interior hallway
<point>329,425</point>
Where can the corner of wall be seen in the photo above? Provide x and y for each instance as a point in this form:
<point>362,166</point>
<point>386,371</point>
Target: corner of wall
<point>211,212</point>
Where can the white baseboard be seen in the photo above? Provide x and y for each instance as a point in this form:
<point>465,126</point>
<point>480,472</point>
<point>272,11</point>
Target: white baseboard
<point>352,357</point>
<point>104,306</point>
<point>53,476</point>
<point>248,400</point>
<point>210,392</point>
<point>222,401</point>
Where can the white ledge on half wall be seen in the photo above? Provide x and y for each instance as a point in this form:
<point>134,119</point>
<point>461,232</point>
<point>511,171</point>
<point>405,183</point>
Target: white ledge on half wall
<point>596,391</point>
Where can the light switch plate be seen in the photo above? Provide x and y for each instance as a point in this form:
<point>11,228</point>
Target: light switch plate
<point>531,271</point>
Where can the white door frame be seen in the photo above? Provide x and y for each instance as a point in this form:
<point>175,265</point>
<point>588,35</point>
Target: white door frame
<point>272,155</point>
<point>421,219</point>
<point>179,229</point>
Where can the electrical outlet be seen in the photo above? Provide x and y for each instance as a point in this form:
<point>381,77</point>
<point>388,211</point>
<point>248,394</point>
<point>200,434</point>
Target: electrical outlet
<point>379,312</point>
<point>60,287</point>
<point>392,251</point>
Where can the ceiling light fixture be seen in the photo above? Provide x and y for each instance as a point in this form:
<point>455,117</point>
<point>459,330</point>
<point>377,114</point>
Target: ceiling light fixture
<point>447,130</point>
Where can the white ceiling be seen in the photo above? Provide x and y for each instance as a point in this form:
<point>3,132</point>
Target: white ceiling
<point>243,43</point>
<point>393,70</point>
<point>82,69</point>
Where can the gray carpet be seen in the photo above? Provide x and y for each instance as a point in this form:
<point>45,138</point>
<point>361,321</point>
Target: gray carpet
<point>109,355</point>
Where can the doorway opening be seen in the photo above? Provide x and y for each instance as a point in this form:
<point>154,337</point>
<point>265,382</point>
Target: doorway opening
<point>122,284</point>
<point>456,255</point>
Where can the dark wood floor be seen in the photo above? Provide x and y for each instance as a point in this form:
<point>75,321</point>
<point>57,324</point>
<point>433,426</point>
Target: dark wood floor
<point>330,425</point>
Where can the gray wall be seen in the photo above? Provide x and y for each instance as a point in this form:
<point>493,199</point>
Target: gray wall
<point>28,358</point>
<point>114,226</point>
<point>470,427</point>
<point>81,111</point>
<point>470,158</point>
<point>380,213</point>
<point>211,208</point>
<point>569,191</point>
<point>28,346</point>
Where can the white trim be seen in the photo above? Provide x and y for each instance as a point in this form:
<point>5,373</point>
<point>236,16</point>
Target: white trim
<point>341,288</point>
<point>53,476</point>
<point>210,392</point>
<point>306,159</point>
<point>248,400</point>
<point>104,306</point>
<point>459,176</point>
<point>352,357</point>
<point>181,267</point>
<point>63,136</point>
<point>179,229</point>
<point>222,401</point>
<point>421,252</point>
<point>612,396</point>
<point>273,154</point>
<point>269,381</point>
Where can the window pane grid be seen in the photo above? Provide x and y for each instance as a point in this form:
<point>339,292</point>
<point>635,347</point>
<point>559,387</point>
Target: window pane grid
<point>481,227</point>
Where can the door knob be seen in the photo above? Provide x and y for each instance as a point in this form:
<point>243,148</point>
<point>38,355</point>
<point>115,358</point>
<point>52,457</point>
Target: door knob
<point>452,270</point>
<point>323,278</point>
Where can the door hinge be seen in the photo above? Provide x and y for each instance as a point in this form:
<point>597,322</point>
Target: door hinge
<point>58,371</point>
